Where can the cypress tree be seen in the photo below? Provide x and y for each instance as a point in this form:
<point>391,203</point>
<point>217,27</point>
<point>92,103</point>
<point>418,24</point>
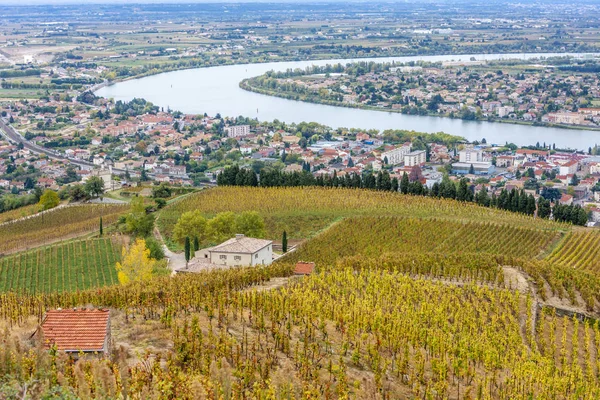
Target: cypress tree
<point>187,249</point>
<point>404,184</point>
<point>284,242</point>
<point>196,244</point>
<point>101,229</point>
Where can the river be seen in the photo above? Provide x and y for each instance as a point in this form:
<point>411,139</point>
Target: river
<point>215,90</point>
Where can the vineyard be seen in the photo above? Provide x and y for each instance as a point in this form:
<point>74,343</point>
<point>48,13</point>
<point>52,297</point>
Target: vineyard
<point>62,223</point>
<point>411,298</point>
<point>344,333</point>
<point>73,266</point>
<point>580,250</point>
<point>302,212</point>
<point>20,212</point>
<point>371,236</point>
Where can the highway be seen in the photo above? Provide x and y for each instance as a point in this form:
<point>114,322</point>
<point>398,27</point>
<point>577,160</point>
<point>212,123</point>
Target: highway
<point>15,137</point>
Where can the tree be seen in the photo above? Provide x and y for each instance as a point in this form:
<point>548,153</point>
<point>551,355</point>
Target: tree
<point>221,227</point>
<point>161,191</point>
<point>187,250</point>
<point>544,208</point>
<point>196,244</point>
<point>101,228</point>
<point>250,223</point>
<point>136,265</point>
<point>574,180</point>
<point>482,197</point>
<point>284,242</point>
<point>49,200</point>
<point>190,224</point>
<point>472,170</point>
<point>138,222</point>
<point>94,186</point>
<point>77,192</point>
<point>404,184</point>
<point>463,193</point>
<point>551,194</point>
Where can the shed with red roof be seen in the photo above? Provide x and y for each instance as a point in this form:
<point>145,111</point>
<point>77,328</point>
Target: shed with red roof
<point>77,330</point>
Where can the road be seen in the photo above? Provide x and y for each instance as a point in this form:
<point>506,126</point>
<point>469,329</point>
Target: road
<point>15,137</point>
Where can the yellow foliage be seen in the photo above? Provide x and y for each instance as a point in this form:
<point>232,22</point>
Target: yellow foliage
<point>136,264</point>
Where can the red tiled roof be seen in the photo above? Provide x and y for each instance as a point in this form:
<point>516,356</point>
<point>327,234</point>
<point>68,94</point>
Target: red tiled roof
<point>76,330</point>
<point>304,268</point>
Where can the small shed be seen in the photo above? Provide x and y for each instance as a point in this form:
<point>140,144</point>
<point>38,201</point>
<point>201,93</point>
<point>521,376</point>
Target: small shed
<point>304,268</point>
<point>77,330</point>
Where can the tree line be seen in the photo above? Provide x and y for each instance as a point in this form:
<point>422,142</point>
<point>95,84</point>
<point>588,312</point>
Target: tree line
<point>511,200</point>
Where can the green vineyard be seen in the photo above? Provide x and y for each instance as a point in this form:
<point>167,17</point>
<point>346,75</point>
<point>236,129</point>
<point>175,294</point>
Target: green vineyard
<point>73,266</point>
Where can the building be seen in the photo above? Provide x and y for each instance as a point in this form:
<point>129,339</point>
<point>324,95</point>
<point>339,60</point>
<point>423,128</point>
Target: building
<point>418,157</point>
<point>570,118</point>
<point>470,155</point>
<point>568,168</point>
<point>75,331</point>
<point>237,130</point>
<point>396,155</point>
<point>479,168</point>
<point>304,268</point>
<point>504,111</point>
<point>240,250</point>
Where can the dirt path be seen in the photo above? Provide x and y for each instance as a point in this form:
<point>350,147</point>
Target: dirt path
<point>273,283</point>
<point>175,260</point>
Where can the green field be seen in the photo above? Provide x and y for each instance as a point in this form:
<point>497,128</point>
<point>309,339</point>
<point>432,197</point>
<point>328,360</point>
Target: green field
<point>72,266</point>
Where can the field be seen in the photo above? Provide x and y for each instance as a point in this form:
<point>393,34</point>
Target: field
<point>20,212</point>
<point>69,267</point>
<point>304,212</point>
<point>411,298</point>
<point>579,250</point>
<point>59,224</point>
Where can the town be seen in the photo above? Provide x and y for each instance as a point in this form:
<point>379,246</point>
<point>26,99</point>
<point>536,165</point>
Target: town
<point>561,91</point>
<point>126,144</point>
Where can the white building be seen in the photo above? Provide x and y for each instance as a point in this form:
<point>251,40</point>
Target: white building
<point>568,168</point>
<point>418,157</point>
<point>470,156</point>
<point>238,251</point>
<point>237,130</point>
<point>505,110</point>
<point>396,156</point>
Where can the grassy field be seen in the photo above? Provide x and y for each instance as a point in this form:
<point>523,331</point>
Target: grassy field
<point>57,224</point>
<point>68,267</point>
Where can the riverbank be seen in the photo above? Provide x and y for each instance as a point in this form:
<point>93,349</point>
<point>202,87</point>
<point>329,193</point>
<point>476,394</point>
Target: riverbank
<point>245,85</point>
<point>216,90</point>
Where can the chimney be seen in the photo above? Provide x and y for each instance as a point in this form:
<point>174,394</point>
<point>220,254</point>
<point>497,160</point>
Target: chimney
<point>238,236</point>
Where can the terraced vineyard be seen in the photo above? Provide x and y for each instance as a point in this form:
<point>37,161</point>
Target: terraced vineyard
<point>579,250</point>
<point>410,299</point>
<point>73,266</point>
<point>59,224</point>
<point>302,212</point>
<point>372,236</point>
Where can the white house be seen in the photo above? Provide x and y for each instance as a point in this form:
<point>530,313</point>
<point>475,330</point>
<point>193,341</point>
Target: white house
<point>238,251</point>
<point>569,168</point>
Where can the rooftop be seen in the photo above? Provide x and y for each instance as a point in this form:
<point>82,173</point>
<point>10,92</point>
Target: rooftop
<point>241,244</point>
<point>76,330</point>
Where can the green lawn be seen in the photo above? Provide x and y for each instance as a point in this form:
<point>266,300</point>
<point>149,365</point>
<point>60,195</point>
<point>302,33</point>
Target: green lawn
<point>71,266</point>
